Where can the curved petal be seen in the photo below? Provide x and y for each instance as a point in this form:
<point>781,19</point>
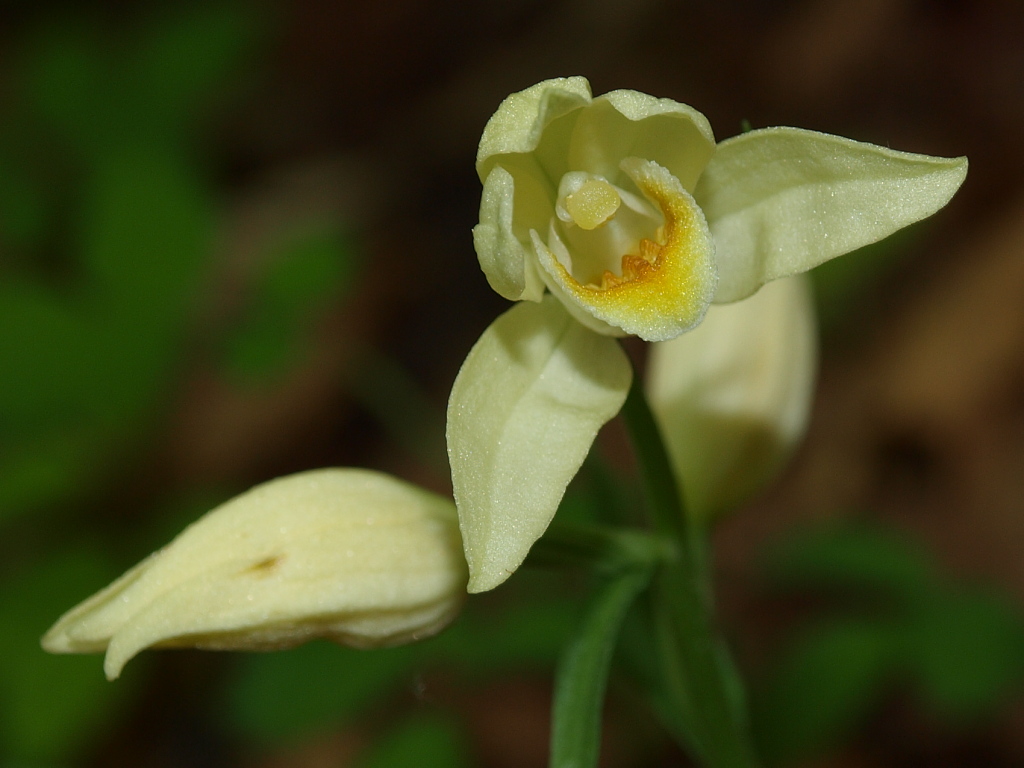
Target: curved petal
<point>733,396</point>
<point>522,118</point>
<point>665,288</point>
<point>349,554</point>
<point>632,124</point>
<point>524,410</point>
<point>780,201</point>
<point>506,206</point>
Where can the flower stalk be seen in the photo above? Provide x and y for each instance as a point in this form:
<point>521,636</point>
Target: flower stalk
<point>601,548</point>
<point>699,673</point>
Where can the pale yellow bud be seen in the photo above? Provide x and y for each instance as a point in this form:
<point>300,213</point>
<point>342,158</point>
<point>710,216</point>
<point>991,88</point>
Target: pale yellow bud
<point>733,397</point>
<point>352,555</point>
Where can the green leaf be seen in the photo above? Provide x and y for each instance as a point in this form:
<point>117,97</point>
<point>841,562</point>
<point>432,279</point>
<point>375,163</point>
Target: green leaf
<point>100,90</point>
<point>313,266</point>
<point>262,349</point>
<point>146,238</point>
<point>42,470</point>
<point>967,649</point>
<point>189,56</point>
<point>854,559</point>
<point>42,360</point>
<point>387,390</point>
<point>831,677</point>
<point>53,705</point>
<point>424,741</point>
<point>68,73</point>
<point>280,697</point>
<point>307,270</point>
<point>640,642</point>
<point>146,230</point>
<point>522,626</point>
<point>24,210</point>
<point>583,673</point>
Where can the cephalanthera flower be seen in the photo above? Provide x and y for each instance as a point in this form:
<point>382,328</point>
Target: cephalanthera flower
<point>347,554</point>
<point>625,210</point>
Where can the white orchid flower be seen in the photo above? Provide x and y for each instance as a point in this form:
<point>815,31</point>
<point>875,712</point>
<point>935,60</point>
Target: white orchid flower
<point>348,554</point>
<point>626,211</point>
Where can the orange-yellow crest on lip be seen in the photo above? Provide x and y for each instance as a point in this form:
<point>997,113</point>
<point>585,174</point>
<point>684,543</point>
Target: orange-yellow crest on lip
<point>666,285</point>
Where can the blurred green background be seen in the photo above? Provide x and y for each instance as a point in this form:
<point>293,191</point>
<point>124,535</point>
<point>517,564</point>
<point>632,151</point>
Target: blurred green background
<point>234,243</point>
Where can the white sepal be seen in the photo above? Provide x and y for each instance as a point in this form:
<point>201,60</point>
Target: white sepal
<point>780,201</point>
<point>510,270</point>
<point>623,124</point>
<point>521,119</point>
<point>523,413</point>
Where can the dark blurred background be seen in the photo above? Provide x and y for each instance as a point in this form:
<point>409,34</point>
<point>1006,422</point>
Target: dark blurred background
<point>235,243</point>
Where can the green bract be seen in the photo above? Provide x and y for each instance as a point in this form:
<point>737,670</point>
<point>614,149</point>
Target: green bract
<point>625,210</point>
<point>348,554</point>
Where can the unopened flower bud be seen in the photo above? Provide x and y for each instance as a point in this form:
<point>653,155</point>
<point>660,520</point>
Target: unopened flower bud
<point>352,555</point>
<point>733,397</point>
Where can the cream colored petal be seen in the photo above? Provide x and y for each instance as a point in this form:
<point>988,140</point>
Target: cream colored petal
<point>511,268</point>
<point>624,124</point>
<point>780,201</point>
<point>523,117</point>
<point>524,410</point>
<point>78,632</point>
<point>665,287</point>
<point>733,396</point>
<point>349,554</point>
<point>523,153</point>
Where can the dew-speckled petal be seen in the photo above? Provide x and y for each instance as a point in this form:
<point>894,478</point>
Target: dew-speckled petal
<point>509,265</point>
<point>624,124</point>
<point>523,413</point>
<point>523,118</point>
<point>781,201</point>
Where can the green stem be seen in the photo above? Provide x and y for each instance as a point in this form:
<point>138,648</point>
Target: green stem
<point>583,672</point>
<point>665,502</point>
<point>601,548</point>
<point>694,659</point>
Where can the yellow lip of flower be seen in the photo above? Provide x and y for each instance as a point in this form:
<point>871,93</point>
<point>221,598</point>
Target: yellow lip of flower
<point>665,286</point>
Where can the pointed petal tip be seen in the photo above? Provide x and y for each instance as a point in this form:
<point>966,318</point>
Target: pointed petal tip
<point>55,640</point>
<point>780,201</point>
<point>483,582</point>
<point>113,664</point>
